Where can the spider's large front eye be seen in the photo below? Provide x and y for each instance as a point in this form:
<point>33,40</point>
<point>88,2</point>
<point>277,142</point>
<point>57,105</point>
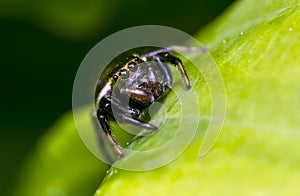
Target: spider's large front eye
<point>124,74</point>
<point>132,66</point>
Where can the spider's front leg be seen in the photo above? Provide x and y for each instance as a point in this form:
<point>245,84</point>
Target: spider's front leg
<point>168,58</point>
<point>99,116</point>
<point>139,96</point>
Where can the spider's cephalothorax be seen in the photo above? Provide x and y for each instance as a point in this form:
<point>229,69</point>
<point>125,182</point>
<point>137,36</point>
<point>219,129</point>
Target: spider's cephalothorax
<point>125,90</point>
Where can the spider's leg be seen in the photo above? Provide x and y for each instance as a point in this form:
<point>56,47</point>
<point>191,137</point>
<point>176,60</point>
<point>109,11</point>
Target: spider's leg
<point>166,57</point>
<point>138,95</point>
<point>128,119</point>
<point>159,79</point>
<point>99,115</point>
<point>199,50</point>
<point>166,71</point>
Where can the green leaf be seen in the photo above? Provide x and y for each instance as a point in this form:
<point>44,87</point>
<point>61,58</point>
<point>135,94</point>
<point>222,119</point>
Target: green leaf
<point>60,165</point>
<point>256,47</point>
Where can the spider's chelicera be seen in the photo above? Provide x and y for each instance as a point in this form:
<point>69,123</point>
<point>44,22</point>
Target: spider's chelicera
<point>126,89</point>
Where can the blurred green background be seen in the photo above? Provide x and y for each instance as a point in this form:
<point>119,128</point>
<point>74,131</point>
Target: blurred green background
<point>42,45</point>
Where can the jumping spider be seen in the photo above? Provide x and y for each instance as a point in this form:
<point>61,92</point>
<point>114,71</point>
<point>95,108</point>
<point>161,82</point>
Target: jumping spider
<point>126,89</point>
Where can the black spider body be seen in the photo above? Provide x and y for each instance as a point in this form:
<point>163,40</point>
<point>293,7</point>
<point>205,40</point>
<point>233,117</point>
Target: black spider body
<point>126,89</point>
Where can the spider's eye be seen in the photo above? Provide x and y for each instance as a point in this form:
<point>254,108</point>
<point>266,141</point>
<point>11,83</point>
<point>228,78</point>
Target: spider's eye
<point>132,66</point>
<point>115,77</point>
<point>136,58</point>
<point>124,74</point>
<point>165,55</point>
